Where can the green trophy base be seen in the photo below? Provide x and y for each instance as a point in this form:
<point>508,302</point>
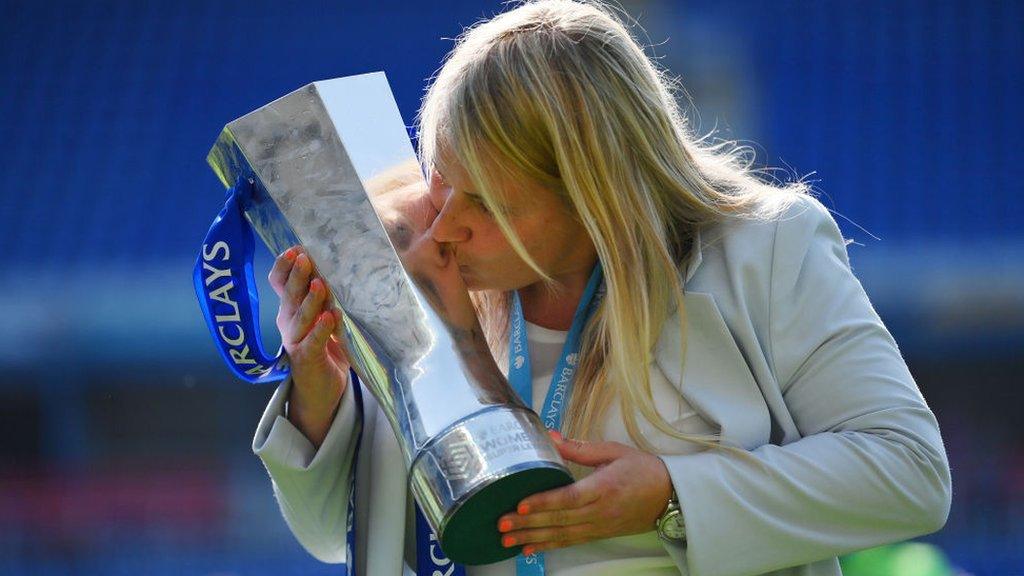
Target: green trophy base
<point>471,534</point>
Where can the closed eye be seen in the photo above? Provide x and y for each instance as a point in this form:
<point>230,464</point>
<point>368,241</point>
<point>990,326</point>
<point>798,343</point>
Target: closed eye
<point>477,200</point>
<point>479,203</point>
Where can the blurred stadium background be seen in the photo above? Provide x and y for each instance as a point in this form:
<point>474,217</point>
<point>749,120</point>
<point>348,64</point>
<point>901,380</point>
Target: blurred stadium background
<point>126,442</point>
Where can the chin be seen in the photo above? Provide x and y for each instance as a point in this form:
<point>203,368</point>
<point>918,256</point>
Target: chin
<point>467,274</point>
<point>475,281</point>
<point>472,284</point>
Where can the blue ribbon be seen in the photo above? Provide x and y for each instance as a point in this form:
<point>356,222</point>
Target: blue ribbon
<point>519,372</point>
<point>350,519</point>
<point>226,289</point>
<point>560,390</point>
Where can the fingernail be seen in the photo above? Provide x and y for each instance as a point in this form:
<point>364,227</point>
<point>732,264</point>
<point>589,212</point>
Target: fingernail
<point>508,541</point>
<point>529,550</point>
<point>523,509</point>
<point>505,525</point>
<point>556,435</point>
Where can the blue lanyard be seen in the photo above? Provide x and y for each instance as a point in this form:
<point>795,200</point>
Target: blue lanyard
<point>560,390</point>
<point>350,519</point>
<point>430,561</point>
<point>519,372</point>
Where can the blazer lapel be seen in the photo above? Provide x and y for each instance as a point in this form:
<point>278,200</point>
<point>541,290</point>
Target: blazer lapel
<point>696,257</point>
<point>715,378</point>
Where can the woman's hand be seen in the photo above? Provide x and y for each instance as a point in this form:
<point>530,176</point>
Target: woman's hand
<point>319,365</point>
<point>626,494</point>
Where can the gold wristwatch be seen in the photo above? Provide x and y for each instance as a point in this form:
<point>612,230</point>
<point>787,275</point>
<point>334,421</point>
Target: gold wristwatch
<point>670,525</point>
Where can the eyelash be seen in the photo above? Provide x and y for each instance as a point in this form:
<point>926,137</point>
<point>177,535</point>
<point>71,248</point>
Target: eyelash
<point>480,204</point>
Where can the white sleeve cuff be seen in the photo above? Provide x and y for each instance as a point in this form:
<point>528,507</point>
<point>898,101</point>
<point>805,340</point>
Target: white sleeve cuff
<point>281,445</point>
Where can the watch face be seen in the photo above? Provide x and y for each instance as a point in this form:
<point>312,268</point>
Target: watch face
<point>672,526</point>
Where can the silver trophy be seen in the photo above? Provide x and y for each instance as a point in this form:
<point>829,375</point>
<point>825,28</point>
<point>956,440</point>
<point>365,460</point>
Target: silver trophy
<point>332,165</point>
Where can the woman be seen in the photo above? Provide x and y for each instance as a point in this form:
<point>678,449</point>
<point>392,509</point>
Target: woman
<point>734,367</point>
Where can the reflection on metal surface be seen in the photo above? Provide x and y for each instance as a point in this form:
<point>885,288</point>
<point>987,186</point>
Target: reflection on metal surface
<point>335,171</point>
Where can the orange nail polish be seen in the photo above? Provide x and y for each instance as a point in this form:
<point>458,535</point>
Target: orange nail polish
<point>508,541</point>
<point>505,525</point>
<point>529,550</point>
<point>523,509</point>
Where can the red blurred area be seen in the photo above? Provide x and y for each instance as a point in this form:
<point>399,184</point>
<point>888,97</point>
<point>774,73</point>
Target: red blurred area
<point>57,504</point>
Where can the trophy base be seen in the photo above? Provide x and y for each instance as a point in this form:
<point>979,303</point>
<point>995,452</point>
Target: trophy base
<point>470,535</point>
<point>479,469</point>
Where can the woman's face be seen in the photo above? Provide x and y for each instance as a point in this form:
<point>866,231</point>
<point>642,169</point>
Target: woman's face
<point>485,258</point>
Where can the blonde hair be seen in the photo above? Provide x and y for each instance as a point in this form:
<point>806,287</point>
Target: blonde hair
<point>559,93</point>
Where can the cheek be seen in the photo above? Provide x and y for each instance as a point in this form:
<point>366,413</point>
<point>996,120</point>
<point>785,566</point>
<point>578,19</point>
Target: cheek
<point>538,234</point>
<point>489,240</point>
<point>543,235</point>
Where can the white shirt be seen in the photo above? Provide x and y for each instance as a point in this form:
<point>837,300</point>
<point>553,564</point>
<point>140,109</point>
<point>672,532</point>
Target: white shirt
<point>637,554</point>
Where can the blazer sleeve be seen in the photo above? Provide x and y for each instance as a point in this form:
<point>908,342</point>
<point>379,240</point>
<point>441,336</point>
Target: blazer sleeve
<point>870,467</point>
<point>311,485</point>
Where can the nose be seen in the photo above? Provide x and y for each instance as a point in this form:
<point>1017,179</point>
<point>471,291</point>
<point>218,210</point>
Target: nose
<point>447,226</point>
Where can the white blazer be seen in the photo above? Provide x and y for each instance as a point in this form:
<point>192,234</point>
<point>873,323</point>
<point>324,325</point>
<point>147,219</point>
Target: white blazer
<point>785,355</point>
